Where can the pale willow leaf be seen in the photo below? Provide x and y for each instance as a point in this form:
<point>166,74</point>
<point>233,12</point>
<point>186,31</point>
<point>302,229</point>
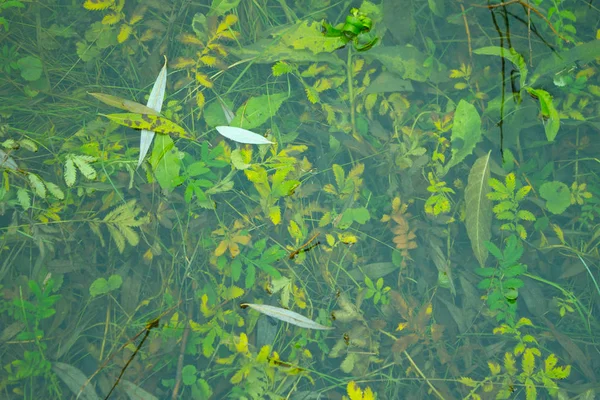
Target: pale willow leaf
<point>7,161</point>
<point>37,184</point>
<point>479,208</point>
<point>288,316</point>
<point>241,135</point>
<point>155,102</point>
<point>75,380</point>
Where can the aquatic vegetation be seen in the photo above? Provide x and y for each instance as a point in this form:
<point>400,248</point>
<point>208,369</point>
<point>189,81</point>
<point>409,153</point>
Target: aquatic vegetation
<point>388,189</point>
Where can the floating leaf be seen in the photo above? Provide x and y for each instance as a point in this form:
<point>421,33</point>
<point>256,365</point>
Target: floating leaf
<point>466,133</point>
<point>242,135</point>
<point>258,110</point>
<point>479,208</point>
<point>155,101</point>
<point>148,122</point>
<point>557,196</point>
<point>75,380</point>
<point>287,316</point>
<point>125,104</point>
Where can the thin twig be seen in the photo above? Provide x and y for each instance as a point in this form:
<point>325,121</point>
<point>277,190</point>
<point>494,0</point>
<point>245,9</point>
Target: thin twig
<point>184,340</point>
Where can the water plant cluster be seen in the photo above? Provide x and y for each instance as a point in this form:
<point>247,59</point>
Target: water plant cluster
<point>417,216</point>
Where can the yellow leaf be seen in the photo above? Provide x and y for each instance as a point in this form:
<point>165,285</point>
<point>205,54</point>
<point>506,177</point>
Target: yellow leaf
<point>96,5</point>
<point>241,344</point>
<point>494,367</point>
<point>111,19</point>
<point>460,86</point>
<point>402,326</point>
<point>208,60</point>
<point>183,62</point>
<point>467,381</point>
<point>275,215</point>
<point>233,293</point>
<point>354,391</point>
<point>188,38</point>
<point>124,33</point>
<point>138,14</point>
<point>368,394</point>
<point>294,230</point>
<point>203,80</point>
<point>330,239</point>
<point>528,362</point>
<point>148,255</point>
<point>227,22</point>
<point>347,238</point>
<point>206,311</point>
<point>221,248</point>
<point>200,99</point>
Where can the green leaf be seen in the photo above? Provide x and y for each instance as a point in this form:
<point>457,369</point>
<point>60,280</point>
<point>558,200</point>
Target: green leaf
<point>478,219</point>
<point>31,68</point>
<point>166,163</point>
<point>514,270</point>
<point>114,282</point>
<point>466,133</point>
<point>188,375</point>
<point>70,173</point>
<point>494,250</point>
<point>99,287</point>
<point>124,104</point>
<point>552,123</point>
<point>24,198</point>
<point>258,110</point>
<point>221,7</point>
<point>37,184</point>
<point>511,55</point>
<point>307,35</point>
<point>82,163</point>
<point>148,122</point>
<point>557,196</point>
<point>485,272</point>
<point>406,61</point>
<point>55,190</point>
<point>236,269</point>
<point>360,215</point>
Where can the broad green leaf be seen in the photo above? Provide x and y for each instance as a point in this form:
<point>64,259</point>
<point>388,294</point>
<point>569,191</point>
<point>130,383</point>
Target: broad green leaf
<point>148,122</point>
<point>258,110</point>
<point>155,101</point>
<point>406,61</point>
<point>286,316</point>
<point>221,7</point>
<point>479,208</point>
<point>124,104</point>
<point>557,196</point>
<point>166,163</point>
<point>188,375</point>
<point>548,111</point>
<point>31,68</point>
<point>466,133</point>
<point>99,287</point>
<point>114,282</point>
<point>307,35</point>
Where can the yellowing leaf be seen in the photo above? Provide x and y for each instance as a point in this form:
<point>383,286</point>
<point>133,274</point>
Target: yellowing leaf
<point>227,22</point>
<point>96,5</point>
<point>467,381</point>
<point>147,122</point>
<point>233,293</point>
<point>124,33</point>
<point>275,215</point>
<point>347,238</point>
<point>208,60</point>
<point>112,18</point>
<point>203,80</point>
<point>494,368</point>
<point>183,62</point>
<point>200,99</point>
<point>241,344</point>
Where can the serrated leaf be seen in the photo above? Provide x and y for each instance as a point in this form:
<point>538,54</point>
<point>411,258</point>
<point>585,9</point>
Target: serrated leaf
<point>55,190</point>
<point>37,184</point>
<point>478,219</point>
<point>97,4</point>
<point>24,198</point>
<point>82,163</point>
<point>470,382</point>
<point>70,173</point>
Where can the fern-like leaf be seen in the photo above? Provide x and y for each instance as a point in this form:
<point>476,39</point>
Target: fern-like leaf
<point>96,5</point>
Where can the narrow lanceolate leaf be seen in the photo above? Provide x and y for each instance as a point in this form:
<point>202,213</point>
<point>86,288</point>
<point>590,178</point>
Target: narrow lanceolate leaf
<point>6,161</point>
<point>287,316</point>
<point>75,380</point>
<point>229,115</point>
<point>147,122</point>
<point>242,135</point>
<point>124,104</point>
<point>479,208</point>
<point>155,101</point>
